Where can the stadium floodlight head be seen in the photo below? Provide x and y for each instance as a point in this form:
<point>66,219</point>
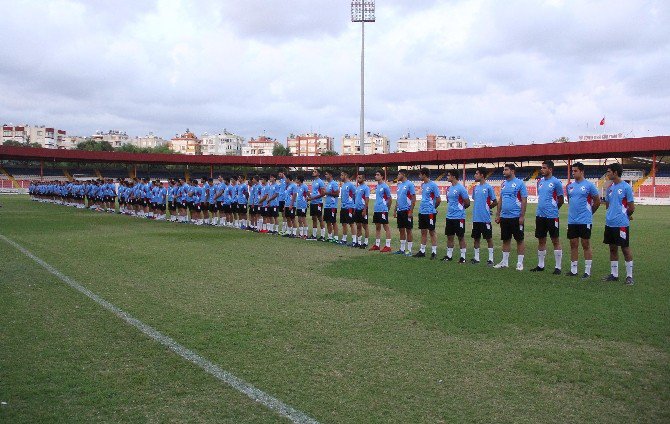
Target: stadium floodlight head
<point>363,11</point>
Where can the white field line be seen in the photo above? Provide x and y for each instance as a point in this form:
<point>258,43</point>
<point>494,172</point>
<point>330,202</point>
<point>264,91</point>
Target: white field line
<point>236,383</point>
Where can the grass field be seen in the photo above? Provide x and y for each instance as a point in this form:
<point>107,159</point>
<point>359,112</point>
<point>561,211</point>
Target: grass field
<point>340,334</point>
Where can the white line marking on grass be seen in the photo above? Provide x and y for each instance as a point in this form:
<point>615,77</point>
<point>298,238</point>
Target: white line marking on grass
<point>236,383</point>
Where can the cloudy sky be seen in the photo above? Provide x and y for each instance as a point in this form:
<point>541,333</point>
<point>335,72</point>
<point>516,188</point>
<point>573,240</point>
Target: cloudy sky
<point>488,70</point>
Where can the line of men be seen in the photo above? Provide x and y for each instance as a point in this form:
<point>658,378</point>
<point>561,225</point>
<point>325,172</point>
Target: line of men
<point>258,204</point>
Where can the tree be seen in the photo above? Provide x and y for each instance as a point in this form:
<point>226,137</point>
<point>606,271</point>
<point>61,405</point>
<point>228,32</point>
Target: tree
<point>280,150</point>
<point>95,146</point>
<point>330,153</point>
<point>13,143</point>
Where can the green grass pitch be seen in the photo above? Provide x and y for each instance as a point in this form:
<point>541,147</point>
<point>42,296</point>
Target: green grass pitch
<point>340,334</point>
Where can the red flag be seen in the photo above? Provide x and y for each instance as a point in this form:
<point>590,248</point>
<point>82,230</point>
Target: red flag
<point>602,121</point>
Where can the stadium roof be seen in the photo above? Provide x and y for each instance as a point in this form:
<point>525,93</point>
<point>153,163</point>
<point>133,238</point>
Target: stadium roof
<point>627,147</point>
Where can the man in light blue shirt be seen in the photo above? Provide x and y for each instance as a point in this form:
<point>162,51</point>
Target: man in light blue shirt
<point>302,195</point>
<point>380,216</point>
<point>430,201</point>
<point>348,196</point>
<point>583,202</point>
<point>511,215</point>
<point>332,193</point>
<point>457,202</point>
<point>549,201</point>
<point>485,199</point>
<point>290,195</point>
<point>316,206</point>
<point>404,212</point>
<point>620,208</point>
<point>361,204</point>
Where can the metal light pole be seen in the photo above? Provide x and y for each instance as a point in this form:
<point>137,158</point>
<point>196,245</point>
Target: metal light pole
<point>362,11</point>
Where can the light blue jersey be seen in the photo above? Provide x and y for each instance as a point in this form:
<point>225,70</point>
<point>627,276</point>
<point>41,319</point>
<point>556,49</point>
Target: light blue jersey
<point>405,192</point>
<point>290,190</point>
<point>429,193</point>
<point>483,195</point>
<point>362,194</point>
<point>301,198</point>
<point>618,196</point>
<point>580,202</point>
<point>331,201</point>
<point>382,196</point>
<point>456,196</point>
<point>348,195</point>
<point>512,192</point>
<point>317,186</point>
<point>548,192</point>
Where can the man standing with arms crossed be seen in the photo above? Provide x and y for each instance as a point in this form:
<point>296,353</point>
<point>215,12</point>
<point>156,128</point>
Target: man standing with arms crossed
<point>430,201</point>
<point>549,201</point>
<point>583,202</point>
<point>316,206</point>
<point>404,212</point>
<point>457,202</point>
<point>485,199</point>
<point>380,217</point>
<point>511,216</point>
<point>620,207</point>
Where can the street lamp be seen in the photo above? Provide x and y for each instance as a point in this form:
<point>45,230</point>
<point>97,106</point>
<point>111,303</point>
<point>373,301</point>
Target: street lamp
<point>362,11</point>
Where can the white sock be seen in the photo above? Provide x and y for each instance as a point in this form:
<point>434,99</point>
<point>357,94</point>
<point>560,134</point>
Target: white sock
<point>314,232</point>
<point>337,238</point>
<point>541,254</point>
<point>433,249</point>
<point>323,232</point>
<point>402,245</point>
<point>505,259</point>
<point>519,260</point>
<point>450,251</point>
<point>388,242</point>
<point>629,269</point>
<point>409,246</point>
<point>587,266</point>
<point>476,253</point>
<point>463,253</point>
<point>294,230</point>
<point>283,226</point>
<point>276,228</point>
<point>377,242</point>
<point>330,236</point>
<point>614,268</point>
<point>344,238</point>
<point>354,239</point>
<point>558,256</point>
<point>573,267</point>
<point>422,248</point>
<point>491,254</point>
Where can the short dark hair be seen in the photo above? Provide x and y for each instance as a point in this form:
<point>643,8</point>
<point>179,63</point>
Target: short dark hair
<point>425,171</point>
<point>549,163</point>
<point>402,171</point>
<point>289,177</point>
<point>344,172</point>
<point>453,173</point>
<point>578,165</point>
<point>329,172</point>
<point>300,179</point>
<point>257,177</point>
<point>510,166</point>
<point>272,176</point>
<point>616,168</point>
<point>482,170</point>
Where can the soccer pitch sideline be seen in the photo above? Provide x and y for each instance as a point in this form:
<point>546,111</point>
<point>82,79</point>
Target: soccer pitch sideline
<point>340,334</point>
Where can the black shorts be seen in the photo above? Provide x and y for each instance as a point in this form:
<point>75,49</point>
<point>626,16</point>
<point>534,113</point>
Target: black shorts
<point>146,202</point>
<point>361,216</point>
<point>482,230</point>
<point>282,205</point>
<point>212,207</point>
<point>619,236</point>
<point>242,208</point>
<point>347,216</point>
<point>233,207</point>
<point>289,212</point>
<point>380,217</point>
<point>183,204</point>
<point>273,211</point>
<point>405,220</point>
<point>160,206</point>
<point>546,225</point>
<point>427,221</point>
<point>455,227</point>
<point>301,212</point>
<point>579,231</point>
<point>510,227</point>
<point>154,205</point>
<point>330,215</point>
<point>195,207</point>
<point>220,206</point>
<point>172,205</point>
<point>316,209</point>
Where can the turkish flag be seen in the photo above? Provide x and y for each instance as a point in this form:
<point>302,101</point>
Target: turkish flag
<point>602,121</point>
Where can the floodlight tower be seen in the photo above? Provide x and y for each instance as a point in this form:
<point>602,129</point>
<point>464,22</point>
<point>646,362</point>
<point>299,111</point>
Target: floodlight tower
<point>362,11</point>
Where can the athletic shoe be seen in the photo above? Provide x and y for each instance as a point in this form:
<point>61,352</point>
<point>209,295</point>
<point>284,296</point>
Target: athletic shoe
<point>420,254</point>
<point>519,267</point>
<point>474,261</point>
<point>342,243</point>
<point>321,239</point>
<point>363,246</point>
<point>311,238</point>
<point>433,256</point>
<point>489,263</point>
<point>285,235</point>
<point>571,274</point>
<point>385,249</point>
<point>629,281</point>
<point>586,276</point>
<point>557,271</point>
<point>351,244</point>
<point>408,254</point>
<point>611,278</point>
<point>461,260</point>
<point>398,252</point>
<point>537,269</point>
<point>500,265</point>
<point>375,247</point>
<point>447,258</point>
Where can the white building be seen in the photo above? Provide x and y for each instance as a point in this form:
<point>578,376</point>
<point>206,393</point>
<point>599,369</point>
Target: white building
<point>430,143</point>
<point>480,144</point>
<point>45,136</point>
<point>374,144</point>
<point>261,146</point>
<point>310,144</point>
<point>150,141</point>
<point>70,142</point>
<point>224,143</point>
<point>115,137</point>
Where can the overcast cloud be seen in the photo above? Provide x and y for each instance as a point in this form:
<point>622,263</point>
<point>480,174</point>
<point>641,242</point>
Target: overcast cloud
<point>483,69</point>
